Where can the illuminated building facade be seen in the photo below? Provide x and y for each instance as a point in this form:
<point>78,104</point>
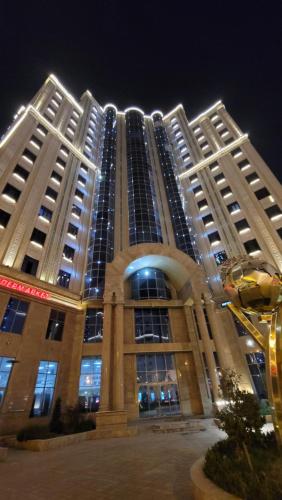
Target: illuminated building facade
<point>113,225</point>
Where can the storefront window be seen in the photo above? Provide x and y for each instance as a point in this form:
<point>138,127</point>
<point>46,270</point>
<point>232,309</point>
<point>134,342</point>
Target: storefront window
<point>90,383</point>
<point>44,388</point>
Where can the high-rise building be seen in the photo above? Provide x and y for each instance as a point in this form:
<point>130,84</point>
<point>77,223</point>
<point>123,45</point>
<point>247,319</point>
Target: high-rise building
<point>113,225</point>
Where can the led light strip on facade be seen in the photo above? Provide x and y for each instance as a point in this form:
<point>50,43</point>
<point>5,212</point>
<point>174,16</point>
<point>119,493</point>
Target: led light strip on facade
<point>31,110</point>
<point>215,156</point>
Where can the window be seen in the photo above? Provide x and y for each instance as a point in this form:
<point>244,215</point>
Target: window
<point>72,230</point>
<point>29,156</point>
<point>157,384</point>
<point>186,157</point>
<point>20,173</point>
<point>51,194</point>
<point>93,331</point>
<point>150,283</point>
<point>197,191</point>
<point>76,211</point>
<point>90,383</point>
<point>242,225</point>
<point>14,317</point>
<point>84,168</point>
<point>152,326</point>
<point>193,178</point>
<point>38,237</point>
<point>202,204</point>
<point>236,152</point>
<point>35,142</point>
<point>60,163</point>
<point>262,193</point>
<point>56,325</point>
<point>208,220</point>
<point>214,166</point>
<point>81,180</point>
<point>29,265</point>
<point>244,164</point>
<point>45,213</point>
<point>226,192</point>
<point>6,365</point>
<point>57,178</point>
<point>251,247</point>
<point>273,212</point>
<point>279,231</point>
<point>4,218</point>
<point>68,253</point>
<point>209,153</point>
<point>229,140</point>
<point>219,179</point>
<point>63,279</point>
<point>214,238</point>
<point>256,364</point>
<point>79,194</point>
<point>64,150</point>
<point>42,130</point>
<point>44,388</point>
<point>233,207</point>
<point>220,257</point>
<point>11,193</point>
<point>252,178</point>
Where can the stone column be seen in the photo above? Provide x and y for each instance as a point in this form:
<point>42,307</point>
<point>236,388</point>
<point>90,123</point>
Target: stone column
<point>220,342</point>
<point>118,368</point>
<point>199,368</point>
<point>207,348</point>
<point>106,358</point>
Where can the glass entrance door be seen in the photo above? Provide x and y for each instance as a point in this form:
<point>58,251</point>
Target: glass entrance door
<point>157,385</point>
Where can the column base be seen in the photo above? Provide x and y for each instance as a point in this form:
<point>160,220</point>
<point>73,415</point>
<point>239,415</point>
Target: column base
<point>113,424</point>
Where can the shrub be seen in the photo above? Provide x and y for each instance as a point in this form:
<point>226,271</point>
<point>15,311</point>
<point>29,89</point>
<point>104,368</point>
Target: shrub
<point>34,432</point>
<point>56,424</point>
<point>85,425</point>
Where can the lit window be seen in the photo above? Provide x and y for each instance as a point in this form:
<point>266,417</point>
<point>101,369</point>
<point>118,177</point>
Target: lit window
<point>36,143</point>
<point>90,383</point>
<point>56,325</point>
<point>42,130</point>
<point>45,214</point>
<point>93,331</point>
<point>72,231</point>
<point>244,164</point>
<point>63,279</point>
<point>214,238</point>
<point>236,153</point>
<point>6,365</point>
<point>28,156</point>
<point>252,178</point>
<point>44,388</point>
<point>20,173</point>
<point>14,316</point>
<point>274,212</point>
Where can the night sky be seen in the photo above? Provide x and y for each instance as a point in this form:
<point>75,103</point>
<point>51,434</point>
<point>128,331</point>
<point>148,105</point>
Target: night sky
<point>152,54</point>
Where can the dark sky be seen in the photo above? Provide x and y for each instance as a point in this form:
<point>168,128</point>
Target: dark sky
<point>153,54</point>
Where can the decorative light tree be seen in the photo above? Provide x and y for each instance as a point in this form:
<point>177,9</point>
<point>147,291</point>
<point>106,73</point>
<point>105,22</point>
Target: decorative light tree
<point>254,287</point>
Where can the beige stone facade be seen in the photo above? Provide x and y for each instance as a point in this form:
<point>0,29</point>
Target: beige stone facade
<point>50,165</point>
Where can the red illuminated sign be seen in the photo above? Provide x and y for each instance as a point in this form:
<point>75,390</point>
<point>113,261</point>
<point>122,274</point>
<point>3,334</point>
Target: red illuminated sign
<point>28,290</point>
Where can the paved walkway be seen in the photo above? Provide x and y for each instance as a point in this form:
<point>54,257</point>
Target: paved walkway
<point>149,466</point>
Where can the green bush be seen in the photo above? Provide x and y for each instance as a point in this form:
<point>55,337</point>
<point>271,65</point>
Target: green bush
<point>34,432</point>
<point>248,463</point>
<point>56,424</point>
<point>84,426</point>
<point>231,472</point>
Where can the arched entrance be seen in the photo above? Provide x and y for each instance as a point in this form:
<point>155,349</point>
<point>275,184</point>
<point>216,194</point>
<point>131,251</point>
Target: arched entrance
<point>121,353</point>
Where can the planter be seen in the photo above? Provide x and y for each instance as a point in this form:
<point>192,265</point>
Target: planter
<point>53,443</point>
<point>204,488</point>
<point>62,441</point>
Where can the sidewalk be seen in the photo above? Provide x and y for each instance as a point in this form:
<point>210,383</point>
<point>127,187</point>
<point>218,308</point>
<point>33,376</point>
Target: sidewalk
<point>148,466</point>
